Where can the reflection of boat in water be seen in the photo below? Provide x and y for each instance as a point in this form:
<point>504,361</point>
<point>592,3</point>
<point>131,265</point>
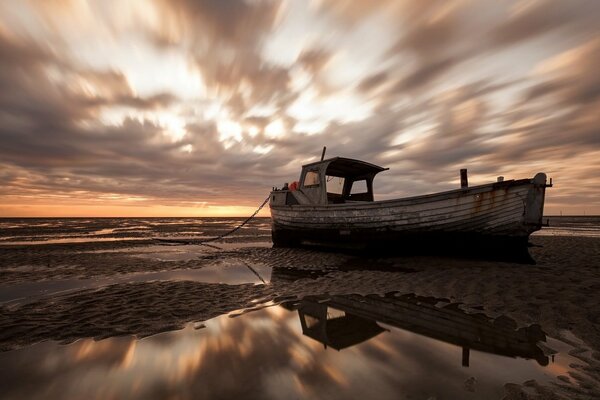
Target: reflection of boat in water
<point>335,328</point>
<point>333,204</point>
<point>345,320</point>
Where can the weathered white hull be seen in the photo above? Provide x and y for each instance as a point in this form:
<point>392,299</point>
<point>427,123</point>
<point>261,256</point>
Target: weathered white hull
<point>510,209</point>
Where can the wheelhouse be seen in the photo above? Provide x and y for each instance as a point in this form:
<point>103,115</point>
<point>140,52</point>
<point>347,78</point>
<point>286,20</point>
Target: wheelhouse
<point>333,181</point>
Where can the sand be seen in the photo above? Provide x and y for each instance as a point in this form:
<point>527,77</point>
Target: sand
<point>561,292</point>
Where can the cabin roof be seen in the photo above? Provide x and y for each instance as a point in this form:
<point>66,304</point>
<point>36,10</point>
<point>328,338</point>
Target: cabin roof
<point>341,166</point>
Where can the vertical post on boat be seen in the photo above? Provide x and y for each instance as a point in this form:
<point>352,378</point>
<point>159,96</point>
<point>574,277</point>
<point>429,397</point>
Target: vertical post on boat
<point>323,154</point>
<point>464,182</point>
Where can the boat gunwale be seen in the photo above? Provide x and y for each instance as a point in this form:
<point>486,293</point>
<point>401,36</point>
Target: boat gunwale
<point>412,200</point>
<point>484,204</point>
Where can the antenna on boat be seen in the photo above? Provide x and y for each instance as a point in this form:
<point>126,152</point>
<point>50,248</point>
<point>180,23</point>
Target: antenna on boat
<point>323,154</point>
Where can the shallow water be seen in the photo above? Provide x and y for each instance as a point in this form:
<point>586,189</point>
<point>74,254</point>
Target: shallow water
<point>29,231</point>
<point>264,354</point>
<point>328,346</point>
<point>234,273</point>
<point>582,226</point>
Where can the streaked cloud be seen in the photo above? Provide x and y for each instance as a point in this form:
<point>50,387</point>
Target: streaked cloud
<point>198,104</point>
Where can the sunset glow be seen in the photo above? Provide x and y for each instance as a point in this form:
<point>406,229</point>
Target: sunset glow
<point>199,108</point>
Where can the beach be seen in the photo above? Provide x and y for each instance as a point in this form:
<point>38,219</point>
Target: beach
<point>71,282</point>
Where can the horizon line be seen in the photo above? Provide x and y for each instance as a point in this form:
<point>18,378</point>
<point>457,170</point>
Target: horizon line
<point>237,216</point>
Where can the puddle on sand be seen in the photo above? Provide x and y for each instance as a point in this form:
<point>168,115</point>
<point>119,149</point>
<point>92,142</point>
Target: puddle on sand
<point>306,349</point>
<point>591,231</point>
<point>178,252</point>
<point>233,273</point>
<point>68,240</point>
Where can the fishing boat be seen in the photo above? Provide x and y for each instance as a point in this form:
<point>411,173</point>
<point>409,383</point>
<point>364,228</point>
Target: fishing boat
<point>333,203</point>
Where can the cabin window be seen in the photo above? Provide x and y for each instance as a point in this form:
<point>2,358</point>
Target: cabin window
<point>311,178</point>
<point>333,313</point>
<point>311,321</point>
<point>335,184</point>
<point>359,187</point>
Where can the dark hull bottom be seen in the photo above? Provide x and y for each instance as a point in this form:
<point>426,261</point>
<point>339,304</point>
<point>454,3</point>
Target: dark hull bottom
<point>502,248</point>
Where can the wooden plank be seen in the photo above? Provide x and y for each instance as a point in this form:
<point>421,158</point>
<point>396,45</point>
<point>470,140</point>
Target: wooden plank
<point>403,219</point>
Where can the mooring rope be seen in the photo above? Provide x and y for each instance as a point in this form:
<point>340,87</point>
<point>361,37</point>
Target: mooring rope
<point>220,236</point>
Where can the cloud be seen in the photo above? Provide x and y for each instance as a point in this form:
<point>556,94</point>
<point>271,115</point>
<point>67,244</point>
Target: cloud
<point>314,60</point>
<point>498,88</point>
<point>571,76</point>
<point>373,81</point>
<point>529,20</point>
<point>231,22</point>
<point>224,38</point>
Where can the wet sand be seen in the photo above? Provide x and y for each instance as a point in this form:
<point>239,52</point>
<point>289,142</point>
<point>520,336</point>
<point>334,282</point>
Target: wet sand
<point>560,293</point>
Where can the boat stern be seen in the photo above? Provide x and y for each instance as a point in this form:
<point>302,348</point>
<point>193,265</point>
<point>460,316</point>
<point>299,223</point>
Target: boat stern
<point>534,203</point>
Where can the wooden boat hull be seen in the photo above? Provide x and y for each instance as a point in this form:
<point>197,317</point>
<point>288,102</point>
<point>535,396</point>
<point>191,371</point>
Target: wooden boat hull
<point>502,212</point>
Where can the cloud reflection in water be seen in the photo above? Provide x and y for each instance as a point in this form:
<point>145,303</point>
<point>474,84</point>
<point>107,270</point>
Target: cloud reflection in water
<point>261,354</point>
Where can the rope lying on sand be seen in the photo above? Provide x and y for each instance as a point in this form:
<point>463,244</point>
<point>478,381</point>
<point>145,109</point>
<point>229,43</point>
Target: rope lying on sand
<point>185,242</point>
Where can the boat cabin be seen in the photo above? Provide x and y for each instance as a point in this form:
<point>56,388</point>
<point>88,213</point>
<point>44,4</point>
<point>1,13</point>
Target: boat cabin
<point>333,181</point>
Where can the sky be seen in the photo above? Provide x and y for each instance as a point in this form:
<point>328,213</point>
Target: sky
<point>200,107</point>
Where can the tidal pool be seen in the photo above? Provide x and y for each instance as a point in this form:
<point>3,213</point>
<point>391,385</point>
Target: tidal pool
<point>235,272</point>
<point>336,347</point>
